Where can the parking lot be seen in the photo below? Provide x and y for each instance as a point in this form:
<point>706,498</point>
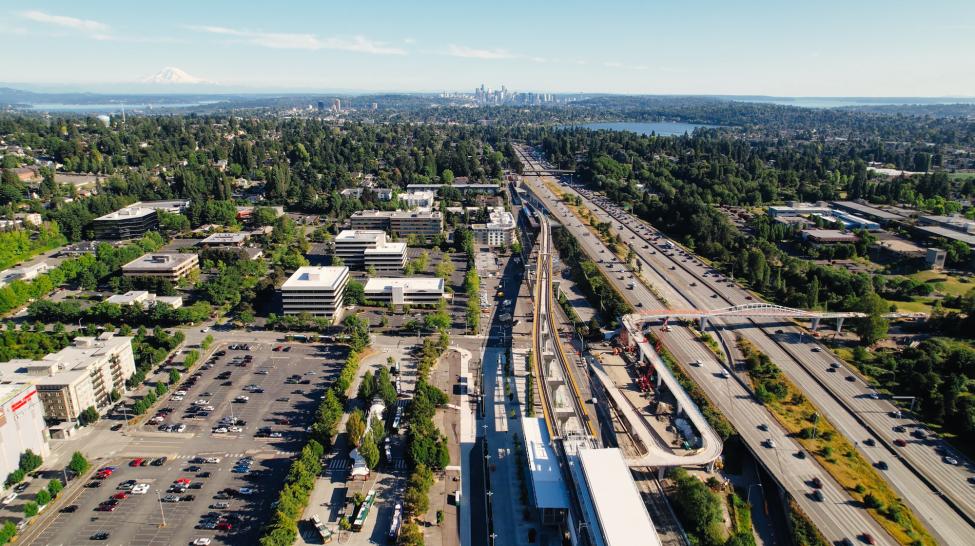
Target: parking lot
<point>282,389</point>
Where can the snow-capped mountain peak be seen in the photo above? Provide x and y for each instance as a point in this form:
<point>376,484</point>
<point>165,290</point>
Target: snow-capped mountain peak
<point>173,75</point>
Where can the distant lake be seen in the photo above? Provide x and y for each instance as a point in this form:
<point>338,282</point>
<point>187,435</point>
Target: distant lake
<point>660,128</point>
<point>109,108</point>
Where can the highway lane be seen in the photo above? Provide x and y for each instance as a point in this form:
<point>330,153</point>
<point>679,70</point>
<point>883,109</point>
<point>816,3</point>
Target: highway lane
<point>837,516</point>
<point>850,404</point>
<point>944,522</point>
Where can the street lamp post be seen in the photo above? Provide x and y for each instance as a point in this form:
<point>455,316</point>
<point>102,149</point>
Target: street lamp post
<point>161,512</point>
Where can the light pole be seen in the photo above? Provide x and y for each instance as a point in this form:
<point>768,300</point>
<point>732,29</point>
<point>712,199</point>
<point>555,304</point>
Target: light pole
<point>749,493</point>
<point>161,512</point>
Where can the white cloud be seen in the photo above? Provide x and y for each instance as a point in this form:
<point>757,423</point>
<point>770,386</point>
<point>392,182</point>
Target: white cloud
<point>473,53</point>
<point>288,40</point>
<point>96,29</point>
<point>624,66</point>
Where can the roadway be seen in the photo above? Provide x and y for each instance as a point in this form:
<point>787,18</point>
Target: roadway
<point>939,493</point>
<point>835,519</point>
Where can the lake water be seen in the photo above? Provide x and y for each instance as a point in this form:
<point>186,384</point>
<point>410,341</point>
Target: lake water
<point>660,128</point>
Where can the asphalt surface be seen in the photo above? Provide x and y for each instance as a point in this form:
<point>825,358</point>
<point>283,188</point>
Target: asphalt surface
<point>138,519</point>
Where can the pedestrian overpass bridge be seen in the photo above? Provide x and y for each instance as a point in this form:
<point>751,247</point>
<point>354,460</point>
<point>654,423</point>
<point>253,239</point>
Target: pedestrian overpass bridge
<point>759,310</point>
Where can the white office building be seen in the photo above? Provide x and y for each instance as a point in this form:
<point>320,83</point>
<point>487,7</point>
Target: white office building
<point>77,377</point>
<point>500,229</point>
<point>145,298</point>
<point>405,290</point>
<point>317,291</point>
<point>362,248</point>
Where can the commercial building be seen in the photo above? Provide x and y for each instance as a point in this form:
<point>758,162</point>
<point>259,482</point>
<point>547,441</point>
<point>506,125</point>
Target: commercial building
<point>884,216</point>
<point>22,424</point>
<point>23,273</point>
<point>226,239</point>
<point>77,377</point>
<point>170,266</point>
<point>500,230</point>
<point>405,290</point>
<point>400,223</point>
<point>612,504</point>
<point>419,199</point>
<point>317,291</point>
<point>134,220</point>
<point>145,299</point>
<point>824,211</point>
<point>365,248</point>
<point>492,189</point>
<point>828,236</point>
<point>953,228</point>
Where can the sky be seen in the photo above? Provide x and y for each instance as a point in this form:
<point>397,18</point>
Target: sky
<point>883,48</point>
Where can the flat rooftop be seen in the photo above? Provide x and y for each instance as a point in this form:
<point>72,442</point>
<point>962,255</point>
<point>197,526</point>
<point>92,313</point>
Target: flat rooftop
<point>949,233</point>
<point>324,277</point>
<point>377,235</point>
<point>226,238</point>
<point>12,389</point>
<point>144,208</point>
<point>66,365</point>
<point>543,463</point>
<point>409,284</point>
<point>829,235</point>
<point>127,213</point>
<point>623,518</point>
<point>397,214</point>
<point>387,248</point>
<point>159,261</point>
<point>868,210</point>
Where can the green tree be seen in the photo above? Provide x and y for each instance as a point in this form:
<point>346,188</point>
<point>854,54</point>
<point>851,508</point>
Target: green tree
<point>30,509</point>
<point>873,327</point>
<point>54,487</point>
<point>79,464</point>
<point>42,497</point>
<point>355,427</point>
<point>369,452</point>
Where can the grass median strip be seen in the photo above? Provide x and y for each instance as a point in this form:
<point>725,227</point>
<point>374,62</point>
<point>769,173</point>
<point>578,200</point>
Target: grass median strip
<point>805,423</point>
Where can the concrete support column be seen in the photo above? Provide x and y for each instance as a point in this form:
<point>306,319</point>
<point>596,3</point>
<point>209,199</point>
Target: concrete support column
<point>839,325</point>
<point>815,323</point>
<point>704,323</point>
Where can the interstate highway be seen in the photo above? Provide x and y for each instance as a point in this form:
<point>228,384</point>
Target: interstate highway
<point>942,520</point>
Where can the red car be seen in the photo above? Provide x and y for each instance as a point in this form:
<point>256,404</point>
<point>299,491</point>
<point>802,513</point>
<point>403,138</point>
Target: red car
<point>135,462</point>
<point>900,442</point>
<point>120,495</point>
<point>224,526</point>
<point>185,481</point>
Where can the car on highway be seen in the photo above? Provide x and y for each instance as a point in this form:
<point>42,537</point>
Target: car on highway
<point>881,465</point>
<point>725,374</point>
<point>69,509</point>
<point>899,442</point>
<point>800,454</point>
<point>763,427</point>
<point>817,495</point>
<point>868,538</point>
<point>770,443</point>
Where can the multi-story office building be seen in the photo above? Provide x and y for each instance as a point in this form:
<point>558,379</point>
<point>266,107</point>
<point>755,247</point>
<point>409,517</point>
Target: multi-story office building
<point>170,266</point>
<point>317,291</point>
<point>400,223</point>
<point>500,230</point>
<point>134,220</point>
<point>22,424</point>
<point>365,248</point>
<point>77,377</point>
<point>405,290</point>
